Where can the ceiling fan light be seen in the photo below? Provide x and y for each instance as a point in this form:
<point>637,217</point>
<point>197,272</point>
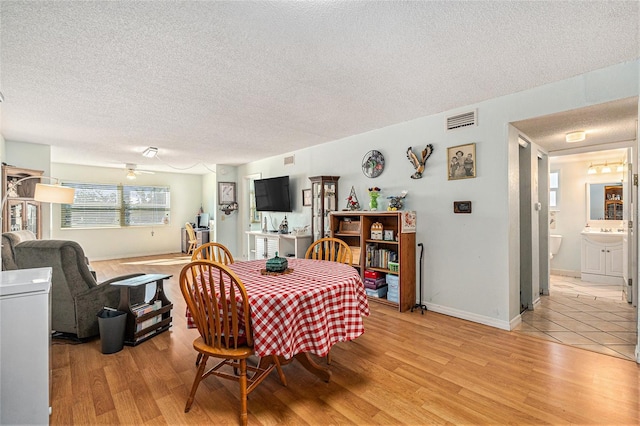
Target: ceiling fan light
<point>131,175</point>
<point>150,152</point>
<point>575,136</point>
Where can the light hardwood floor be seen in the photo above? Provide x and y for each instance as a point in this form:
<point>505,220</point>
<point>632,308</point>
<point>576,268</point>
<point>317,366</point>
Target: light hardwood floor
<point>406,369</point>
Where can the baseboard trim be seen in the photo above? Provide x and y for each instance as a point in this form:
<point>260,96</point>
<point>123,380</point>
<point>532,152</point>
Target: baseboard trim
<point>469,316</point>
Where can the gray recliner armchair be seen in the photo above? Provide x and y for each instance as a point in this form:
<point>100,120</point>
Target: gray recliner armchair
<point>9,241</point>
<point>76,297</point>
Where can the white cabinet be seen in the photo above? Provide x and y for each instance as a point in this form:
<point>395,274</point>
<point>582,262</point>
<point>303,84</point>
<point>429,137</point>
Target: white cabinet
<point>24,352</point>
<point>264,245</point>
<point>602,259</point>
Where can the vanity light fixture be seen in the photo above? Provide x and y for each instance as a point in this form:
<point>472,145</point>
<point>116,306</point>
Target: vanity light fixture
<point>150,152</point>
<point>575,136</point>
<point>592,170</point>
<point>606,168</point>
<point>620,168</point>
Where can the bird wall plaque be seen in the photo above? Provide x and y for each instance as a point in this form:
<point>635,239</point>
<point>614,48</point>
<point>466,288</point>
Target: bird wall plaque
<point>418,164</point>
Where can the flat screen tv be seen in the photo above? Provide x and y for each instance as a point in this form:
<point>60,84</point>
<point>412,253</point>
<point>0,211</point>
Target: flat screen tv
<point>272,194</point>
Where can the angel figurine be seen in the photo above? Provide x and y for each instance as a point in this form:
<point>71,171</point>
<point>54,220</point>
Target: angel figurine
<point>12,188</point>
<point>418,164</point>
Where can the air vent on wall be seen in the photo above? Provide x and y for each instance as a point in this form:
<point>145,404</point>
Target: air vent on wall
<point>289,160</point>
<point>461,120</point>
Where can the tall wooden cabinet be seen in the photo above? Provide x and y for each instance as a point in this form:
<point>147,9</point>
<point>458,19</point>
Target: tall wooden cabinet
<point>355,229</point>
<point>21,211</point>
<point>324,199</point>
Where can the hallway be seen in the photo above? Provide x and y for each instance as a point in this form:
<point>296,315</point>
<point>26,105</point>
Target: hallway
<point>593,317</point>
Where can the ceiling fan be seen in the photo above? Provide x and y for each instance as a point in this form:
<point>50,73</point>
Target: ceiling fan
<point>132,171</point>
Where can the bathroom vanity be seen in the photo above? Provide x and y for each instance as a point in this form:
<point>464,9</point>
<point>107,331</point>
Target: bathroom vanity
<point>602,257</point>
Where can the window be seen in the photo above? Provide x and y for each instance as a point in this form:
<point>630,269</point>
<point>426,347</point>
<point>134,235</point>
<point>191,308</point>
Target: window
<point>113,206</point>
<point>554,189</point>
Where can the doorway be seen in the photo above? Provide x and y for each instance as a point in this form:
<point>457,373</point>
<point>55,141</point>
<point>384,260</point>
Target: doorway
<point>552,318</point>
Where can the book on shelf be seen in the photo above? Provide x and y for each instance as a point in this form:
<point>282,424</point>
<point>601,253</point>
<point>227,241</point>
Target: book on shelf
<point>144,308</point>
<point>379,257</point>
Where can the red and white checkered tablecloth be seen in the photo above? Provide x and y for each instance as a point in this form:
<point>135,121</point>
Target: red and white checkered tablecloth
<point>309,310</point>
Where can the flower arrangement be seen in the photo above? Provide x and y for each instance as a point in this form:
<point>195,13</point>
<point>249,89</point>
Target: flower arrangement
<point>373,198</point>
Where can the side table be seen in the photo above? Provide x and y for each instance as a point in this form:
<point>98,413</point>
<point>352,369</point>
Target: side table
<point>131,336</point>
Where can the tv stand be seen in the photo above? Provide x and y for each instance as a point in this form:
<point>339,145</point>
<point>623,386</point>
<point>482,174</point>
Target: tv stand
<point>264,245</point>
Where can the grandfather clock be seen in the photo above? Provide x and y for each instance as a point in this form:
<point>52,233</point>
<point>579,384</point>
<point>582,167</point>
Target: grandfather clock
<point>324,199</point>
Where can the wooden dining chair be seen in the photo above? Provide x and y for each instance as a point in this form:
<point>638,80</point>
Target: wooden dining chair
<point>215,252</point>
<point>220,309</point>
<point>332,249</point>
<point>192,241</point>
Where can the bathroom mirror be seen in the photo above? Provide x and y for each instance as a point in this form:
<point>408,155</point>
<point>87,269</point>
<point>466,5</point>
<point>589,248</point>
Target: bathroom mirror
<point>601,206</point>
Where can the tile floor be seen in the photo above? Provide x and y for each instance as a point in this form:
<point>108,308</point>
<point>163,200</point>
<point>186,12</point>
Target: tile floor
<point>586,315</point>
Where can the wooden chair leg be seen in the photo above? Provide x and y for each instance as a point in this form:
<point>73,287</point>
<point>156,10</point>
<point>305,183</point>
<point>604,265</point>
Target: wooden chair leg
<point>198,359</point>
<point>329,357</point>
<point>243,392</point>
<point>194,387</point>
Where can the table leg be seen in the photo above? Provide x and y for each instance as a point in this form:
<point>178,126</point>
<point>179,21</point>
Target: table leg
<point>315,368</point>
<point>160,294</point>
<point>305,360</point>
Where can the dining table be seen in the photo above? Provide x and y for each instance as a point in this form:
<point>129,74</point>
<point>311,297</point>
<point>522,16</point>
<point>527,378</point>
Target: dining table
<point>305,310</point>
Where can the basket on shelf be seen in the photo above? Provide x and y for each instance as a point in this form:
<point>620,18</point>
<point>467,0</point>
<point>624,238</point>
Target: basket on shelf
<point>393,266</point>
<point>349,227</point>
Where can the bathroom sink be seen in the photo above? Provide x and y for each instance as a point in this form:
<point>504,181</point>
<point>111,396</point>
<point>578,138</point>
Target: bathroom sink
<point>602,236</point>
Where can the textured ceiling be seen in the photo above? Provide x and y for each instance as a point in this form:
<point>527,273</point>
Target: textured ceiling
<point>603,124</point>
<point>233,82</point>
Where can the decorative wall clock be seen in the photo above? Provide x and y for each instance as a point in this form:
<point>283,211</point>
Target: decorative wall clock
<point>373,164</point>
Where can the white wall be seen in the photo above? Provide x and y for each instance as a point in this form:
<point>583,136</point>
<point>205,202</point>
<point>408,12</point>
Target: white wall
<point>99,244</point>
<point>471,260</point>
<point>227,225</point>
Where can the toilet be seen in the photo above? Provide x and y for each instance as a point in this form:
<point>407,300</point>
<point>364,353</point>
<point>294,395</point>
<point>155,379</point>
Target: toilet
<point>554,245</point>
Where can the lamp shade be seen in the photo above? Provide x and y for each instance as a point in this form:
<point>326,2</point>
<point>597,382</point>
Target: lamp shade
<point>53,194</point>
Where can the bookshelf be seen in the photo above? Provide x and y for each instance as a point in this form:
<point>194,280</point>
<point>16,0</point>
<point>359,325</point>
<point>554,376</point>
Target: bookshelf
<point>354,228</point>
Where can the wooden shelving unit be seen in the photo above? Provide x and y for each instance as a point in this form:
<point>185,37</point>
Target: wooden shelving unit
<point>132,335</point>
<point>354,228</point>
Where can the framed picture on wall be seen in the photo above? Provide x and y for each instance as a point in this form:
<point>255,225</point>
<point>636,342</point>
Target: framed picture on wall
<point>306,197</point>
<point>226,193</point>
<point>462,161</point>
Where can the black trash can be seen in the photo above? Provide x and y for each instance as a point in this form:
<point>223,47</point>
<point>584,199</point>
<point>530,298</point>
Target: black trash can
<point>112,324</point>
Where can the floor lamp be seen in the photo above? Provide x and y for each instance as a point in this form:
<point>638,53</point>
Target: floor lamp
<point>45,193</point>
